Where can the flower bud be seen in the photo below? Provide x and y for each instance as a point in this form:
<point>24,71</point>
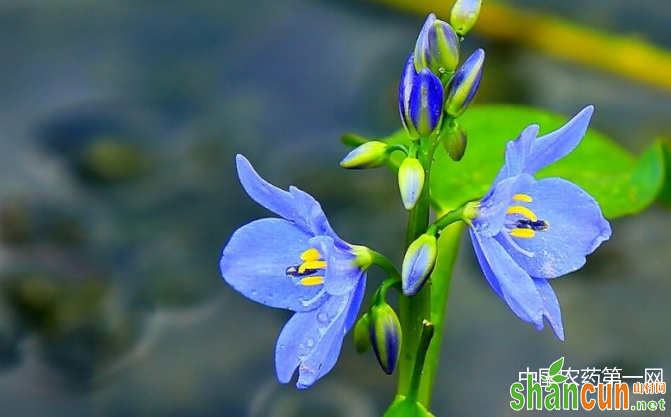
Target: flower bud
<point>455,140</point>
<point>368,155</point>
<point>464,15</point>
<point>420,100</point>
<point>410,181</point>
<point>421,53</point>
<point>362,334</point>
<point>464,84</point>
<point>418,263</point>
<point>385,336</point>
<point>443,47</point>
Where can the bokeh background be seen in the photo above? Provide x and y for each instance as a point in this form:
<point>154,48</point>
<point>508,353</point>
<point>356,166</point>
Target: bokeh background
<point>119,121</point>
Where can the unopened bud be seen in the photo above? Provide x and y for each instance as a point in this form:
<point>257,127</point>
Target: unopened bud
<point>385,336</point>
<point>443,47</point>
<point>421,52</point>
<point>369,155</point>
<point>419,260</point>
<point>464,84</point>
<point>455,140</point>
<point>464,15</point>
<point>362,334</point>
<point>410,181</point>
<point>420,100</point>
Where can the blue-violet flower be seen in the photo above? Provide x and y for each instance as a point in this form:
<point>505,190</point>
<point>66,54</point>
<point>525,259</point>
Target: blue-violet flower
<point>528,231</point>
<point>297,263</point>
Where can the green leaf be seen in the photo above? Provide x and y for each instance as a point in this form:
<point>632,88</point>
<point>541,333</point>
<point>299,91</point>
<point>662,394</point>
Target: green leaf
<point>665,148</point>
<point>621,183</point>
<point>559,378</point>
<point>556,367</point>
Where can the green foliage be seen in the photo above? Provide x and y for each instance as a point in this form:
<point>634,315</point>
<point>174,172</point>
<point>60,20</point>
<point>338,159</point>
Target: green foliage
<point>620,182</point>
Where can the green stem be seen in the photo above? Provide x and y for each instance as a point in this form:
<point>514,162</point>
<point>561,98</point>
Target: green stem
<point>448,246</point>
<point>414,310</point>
<point>383,262</point>
<point>425,338</point>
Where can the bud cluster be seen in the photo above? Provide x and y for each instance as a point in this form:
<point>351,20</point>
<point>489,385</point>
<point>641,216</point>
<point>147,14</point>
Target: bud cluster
<point>434,63</point>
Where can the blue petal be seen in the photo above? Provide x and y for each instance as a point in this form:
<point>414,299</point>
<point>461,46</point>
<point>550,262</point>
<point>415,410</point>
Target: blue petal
<point>486,269</point>
<point>529,156</point>
<point>307,334</point>
<point>492,210</point>
<point>517,153</point>
<point>517,288</point>
<point>325,361</point>
<point>341,275</point>
<point>315,219</point>
<point>255,260</point>
<point>576,229</point>
<point>311,341</point>
<point>551,309</point>
<point>296,205</point>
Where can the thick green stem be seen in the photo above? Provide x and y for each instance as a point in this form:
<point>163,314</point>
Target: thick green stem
<point>414,310</point>
<point>448,246</point>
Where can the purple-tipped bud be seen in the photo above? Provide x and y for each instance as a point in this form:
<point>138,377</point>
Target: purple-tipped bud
<point>464,15</point>
<point>420,100</point>
<point>410,181</point>
<point>421,52</point>
<point>385,336</point>
<point>369,155</point>
<point>443,47</point>
<point>463,86</point>
<point>455,140</point>
<point>419,260</point>
<point>362,334</point>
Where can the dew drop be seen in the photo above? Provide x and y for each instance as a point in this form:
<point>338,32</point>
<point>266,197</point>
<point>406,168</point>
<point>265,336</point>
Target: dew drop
<point>310,342</point>
<point>322,317</point>
<point>301,346</point>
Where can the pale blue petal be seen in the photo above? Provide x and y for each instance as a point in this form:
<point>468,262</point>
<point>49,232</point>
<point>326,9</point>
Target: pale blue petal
<point>314,216</point>
<point>341,275</point>
<point>551,309</point>
<point>517,153</point>
<point>256,258</point>
<point>274,199</point>
<point>530,156</point>
<point>492,210</point>
<point>576,229</point>
<point>486,269</point>
<point>325,361</point>
<point>307,334</point>
<point>517,287</point>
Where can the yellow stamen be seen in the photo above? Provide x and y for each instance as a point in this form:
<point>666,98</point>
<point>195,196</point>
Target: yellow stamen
<point>523,211</point>
<point>312,281</point>
<point>311,265</point>
<point>522,233</point>
<point>311,254</point>
<point>523,197</point>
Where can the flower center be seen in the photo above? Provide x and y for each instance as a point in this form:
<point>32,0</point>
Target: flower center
<point>526,223</point>
<point>312,264</point>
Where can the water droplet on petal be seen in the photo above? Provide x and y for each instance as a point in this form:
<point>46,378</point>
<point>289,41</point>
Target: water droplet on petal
<point>301,346</point>
<point>322,317</point>
<point>311,342</point>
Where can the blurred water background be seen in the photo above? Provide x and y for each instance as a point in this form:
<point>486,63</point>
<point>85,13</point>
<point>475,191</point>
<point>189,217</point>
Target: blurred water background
<point>119,121</point>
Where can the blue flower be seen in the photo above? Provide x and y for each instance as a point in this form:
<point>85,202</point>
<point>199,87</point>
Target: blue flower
<point>297,263</point>
<point>528,231</point>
